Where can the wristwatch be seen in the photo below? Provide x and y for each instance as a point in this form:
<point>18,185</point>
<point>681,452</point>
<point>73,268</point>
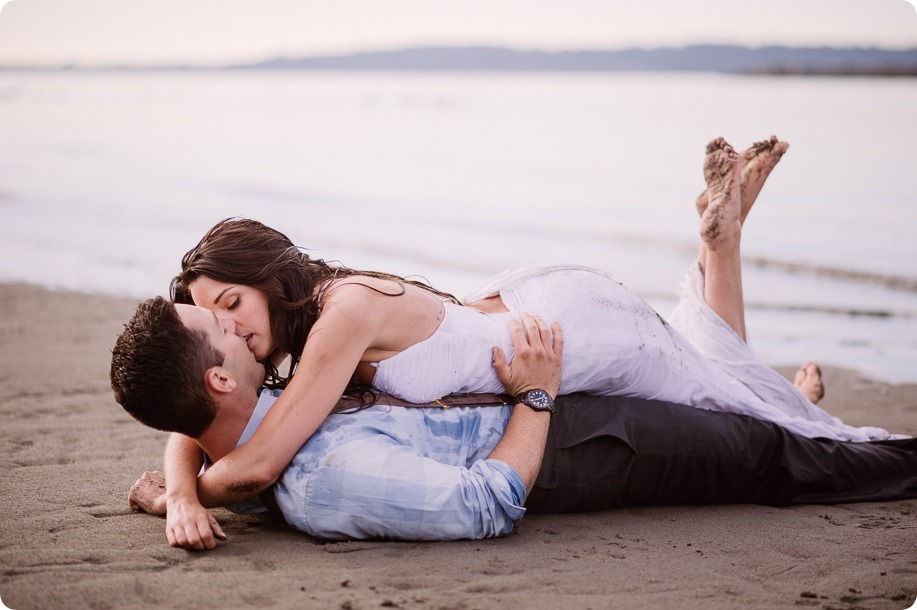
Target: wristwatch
<point>538,400</point>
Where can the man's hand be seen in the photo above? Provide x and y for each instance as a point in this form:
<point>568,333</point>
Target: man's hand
<point>149,494</point>
<point>537,362</point>
<point>188,524</point>
<point>536,366</point>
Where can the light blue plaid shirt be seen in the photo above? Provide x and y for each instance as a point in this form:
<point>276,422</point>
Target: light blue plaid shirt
<point>396,472</point>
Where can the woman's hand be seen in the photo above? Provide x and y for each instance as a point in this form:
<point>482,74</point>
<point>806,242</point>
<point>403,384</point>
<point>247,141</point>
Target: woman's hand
<point>537,362</point>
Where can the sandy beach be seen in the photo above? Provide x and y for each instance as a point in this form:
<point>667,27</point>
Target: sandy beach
<point>69,540</point>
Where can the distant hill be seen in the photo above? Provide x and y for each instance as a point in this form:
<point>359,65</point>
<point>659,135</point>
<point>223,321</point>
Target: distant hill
<point>706,58</point>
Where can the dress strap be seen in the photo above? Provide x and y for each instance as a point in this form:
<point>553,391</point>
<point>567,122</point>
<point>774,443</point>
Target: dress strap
<point>321,292</point>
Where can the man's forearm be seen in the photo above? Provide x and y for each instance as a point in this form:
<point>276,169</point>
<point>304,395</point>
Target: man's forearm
<point>188,524</point>
<point>522,445</point>
<point>536,367</point>
<point>182,462</point>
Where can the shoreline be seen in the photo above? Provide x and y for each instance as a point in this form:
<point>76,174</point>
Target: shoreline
<point>69,540</point>
<point>753,306</point>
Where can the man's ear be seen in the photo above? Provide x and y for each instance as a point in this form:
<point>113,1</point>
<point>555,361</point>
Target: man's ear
<point>219,381</point>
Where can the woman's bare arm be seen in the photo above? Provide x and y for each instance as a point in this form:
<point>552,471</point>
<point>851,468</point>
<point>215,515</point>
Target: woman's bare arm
<point>350,323</point>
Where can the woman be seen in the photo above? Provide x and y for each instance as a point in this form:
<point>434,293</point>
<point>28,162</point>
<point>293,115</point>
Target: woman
<point>419,344</point>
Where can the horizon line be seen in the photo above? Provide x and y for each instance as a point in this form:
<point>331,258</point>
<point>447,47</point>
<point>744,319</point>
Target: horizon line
<point>230,64</point>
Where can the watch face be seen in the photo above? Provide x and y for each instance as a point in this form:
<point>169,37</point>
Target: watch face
<point>540,398</point>
<point>537,399</point>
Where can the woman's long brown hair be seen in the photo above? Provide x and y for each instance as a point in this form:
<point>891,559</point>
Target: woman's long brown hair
<point>244,251</point>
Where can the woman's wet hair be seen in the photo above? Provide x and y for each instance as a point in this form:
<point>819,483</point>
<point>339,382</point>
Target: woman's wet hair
<point>244,251</point>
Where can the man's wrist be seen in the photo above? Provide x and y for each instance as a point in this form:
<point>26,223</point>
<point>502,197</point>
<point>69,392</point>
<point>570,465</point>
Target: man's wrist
<point>536,399</point>
<point>180,497</point>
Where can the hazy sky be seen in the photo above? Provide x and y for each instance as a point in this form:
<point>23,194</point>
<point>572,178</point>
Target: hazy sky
<point>86,32</point>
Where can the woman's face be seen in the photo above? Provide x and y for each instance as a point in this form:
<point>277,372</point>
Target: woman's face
<point>245,306</point>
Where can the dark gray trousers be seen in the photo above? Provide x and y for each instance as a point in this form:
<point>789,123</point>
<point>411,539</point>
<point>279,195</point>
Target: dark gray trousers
<point>605,452</point>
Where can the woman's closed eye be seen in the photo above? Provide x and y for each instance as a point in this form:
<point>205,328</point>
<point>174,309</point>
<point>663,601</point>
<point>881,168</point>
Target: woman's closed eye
<point>233,303</point>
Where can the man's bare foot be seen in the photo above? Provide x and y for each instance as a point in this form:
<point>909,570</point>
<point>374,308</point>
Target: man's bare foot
<point>756,162</point>
<point>149,493</point>
<point>721,224</point>
<point>808,381</point>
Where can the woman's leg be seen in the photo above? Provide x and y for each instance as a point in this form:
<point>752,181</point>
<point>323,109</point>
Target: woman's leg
<point>721,232</point>
<point>719,255</point>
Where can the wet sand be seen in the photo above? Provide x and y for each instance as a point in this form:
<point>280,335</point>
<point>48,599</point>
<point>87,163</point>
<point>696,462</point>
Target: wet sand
<point>69,540</point>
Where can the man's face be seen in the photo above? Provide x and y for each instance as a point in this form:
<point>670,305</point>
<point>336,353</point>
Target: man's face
<point>239,361</point>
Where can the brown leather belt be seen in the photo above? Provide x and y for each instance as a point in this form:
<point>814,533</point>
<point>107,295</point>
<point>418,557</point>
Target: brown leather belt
<point>452,400</point>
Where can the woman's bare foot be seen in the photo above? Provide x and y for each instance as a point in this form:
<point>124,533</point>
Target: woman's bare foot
<point>808,381</point>
<point>721,224</point>
<point>756,162</point>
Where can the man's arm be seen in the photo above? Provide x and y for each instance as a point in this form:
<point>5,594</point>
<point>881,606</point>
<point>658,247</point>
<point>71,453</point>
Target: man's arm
<point>536,365</point>
<point>188,524</point>
<point>392,491</point>
<point>375,487</point>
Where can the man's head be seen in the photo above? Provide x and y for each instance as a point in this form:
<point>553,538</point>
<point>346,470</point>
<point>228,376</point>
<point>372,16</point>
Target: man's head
<point>173,363</point>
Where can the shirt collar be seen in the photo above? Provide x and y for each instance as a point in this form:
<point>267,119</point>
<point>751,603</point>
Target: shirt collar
<point>265,401</point>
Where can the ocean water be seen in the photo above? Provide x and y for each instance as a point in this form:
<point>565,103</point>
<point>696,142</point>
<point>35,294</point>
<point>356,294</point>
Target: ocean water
<point>107,178</point>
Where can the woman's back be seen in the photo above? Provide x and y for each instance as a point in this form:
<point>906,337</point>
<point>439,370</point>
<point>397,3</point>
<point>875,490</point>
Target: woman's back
<point>411,314</point>
<point>614,343</point>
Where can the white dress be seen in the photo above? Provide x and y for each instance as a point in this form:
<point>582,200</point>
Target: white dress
<point>614,344</point>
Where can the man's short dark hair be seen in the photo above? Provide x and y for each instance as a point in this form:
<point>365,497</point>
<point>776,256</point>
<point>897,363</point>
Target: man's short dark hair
<point>158,367</point>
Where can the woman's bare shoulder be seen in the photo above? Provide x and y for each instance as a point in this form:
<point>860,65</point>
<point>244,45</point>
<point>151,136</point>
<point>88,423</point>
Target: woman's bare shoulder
<point>361,287</point>
<point>389,314</point>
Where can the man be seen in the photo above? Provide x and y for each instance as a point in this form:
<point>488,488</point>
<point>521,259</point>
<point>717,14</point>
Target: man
<point>431,473</point>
